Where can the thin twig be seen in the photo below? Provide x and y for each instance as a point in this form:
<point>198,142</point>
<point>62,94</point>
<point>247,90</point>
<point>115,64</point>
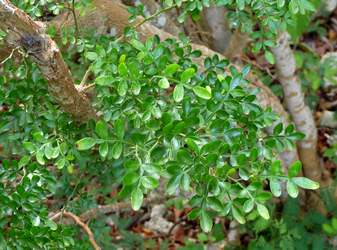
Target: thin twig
<point>10,56</point>
<point>79,222</point>
<point>149,18</point>
<point>75,20</point>
<point>72,194</point>
<point>85,77</point>
<point>85,88</point>
<point>81,86</point>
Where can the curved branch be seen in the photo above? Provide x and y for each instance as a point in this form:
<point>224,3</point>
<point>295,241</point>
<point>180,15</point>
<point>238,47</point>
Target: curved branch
<point>79,222</point>
<point>23,32</point>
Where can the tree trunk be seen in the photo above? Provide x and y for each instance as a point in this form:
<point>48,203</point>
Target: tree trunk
<point>220,31</point>
<point>299,111</point>
<point>329,5</point>
<point>24,33</point>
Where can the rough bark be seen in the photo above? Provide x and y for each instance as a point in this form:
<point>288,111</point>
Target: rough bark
<point>24,33</point>
<point>299,111</point>
<point>223,40</point>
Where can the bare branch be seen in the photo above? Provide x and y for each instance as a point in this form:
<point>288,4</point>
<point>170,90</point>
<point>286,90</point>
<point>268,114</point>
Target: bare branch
<point>79,222</point>
<point>110,208</point>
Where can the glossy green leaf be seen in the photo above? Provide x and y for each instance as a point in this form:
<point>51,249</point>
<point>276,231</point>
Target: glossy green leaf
<point>36,221</point>
<point>194,213</point>
<point>292,189</point>
<point>164,83</point>
<point>263,196</point>
<point>238,215</point>
<point>117,150</point>
<point>270,57</point>
<point>278,129</point>
<point>40,157</point>
<point>135,87</point>
<point>104,80</point>
<point>171,69</point>
<point>24,161</point>
<point>61,163</point>
<point>215,204</point>
<point>122,88</point>
<point>91,56</point>
<point>122,69</point>
<point>150,182</point>
<point>187,75</point>
<point>137,44</point>
<point>136,199</point>
<point>204,93</point>
<point>85,143</point>
<point>185,182</point>
<point>248,205</point>
<point>119,126</point>
<point>178,93</point>
<point>263,211</point>
<point>295,169</point>
<point>51,224</point>
<point>275,187</point>
<point>29,146</point>
<point>103,149</point>
<point>305,183</point>
<point>206,222</point>
<point>102,129</point>
<point>173,184</point>
<point>130,178</point>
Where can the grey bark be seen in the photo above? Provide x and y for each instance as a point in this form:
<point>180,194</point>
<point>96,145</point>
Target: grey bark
<point>295,103</point>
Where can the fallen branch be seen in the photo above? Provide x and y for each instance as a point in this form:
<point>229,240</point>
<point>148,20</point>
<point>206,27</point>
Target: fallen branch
<point>79,222</point>
<point>24,33</point>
